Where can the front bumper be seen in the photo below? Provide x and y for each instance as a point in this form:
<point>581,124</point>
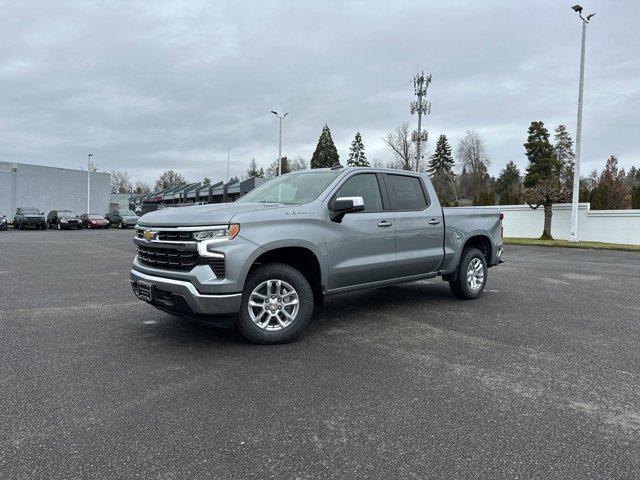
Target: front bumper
<point>33,222</point>
<point>174,295</point>
<point>70,225</point>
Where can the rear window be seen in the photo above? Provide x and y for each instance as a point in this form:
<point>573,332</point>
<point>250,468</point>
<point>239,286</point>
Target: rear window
<point>406,192</point>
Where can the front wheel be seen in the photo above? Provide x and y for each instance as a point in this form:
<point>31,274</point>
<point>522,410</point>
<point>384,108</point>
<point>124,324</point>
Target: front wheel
<point>277,303</point>
<point>471,277</point>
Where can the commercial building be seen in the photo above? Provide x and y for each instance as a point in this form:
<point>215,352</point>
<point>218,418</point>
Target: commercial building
<point>196,193</point>
<point>51,188</point>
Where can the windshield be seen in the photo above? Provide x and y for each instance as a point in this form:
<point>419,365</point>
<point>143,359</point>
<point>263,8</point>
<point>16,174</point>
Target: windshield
<point>30,211</point>
<point>66,214</point>
<point>127,213</point>
<point>292,189</point>
<point>96,217</point>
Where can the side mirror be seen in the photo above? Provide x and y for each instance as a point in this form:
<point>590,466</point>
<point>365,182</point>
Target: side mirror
<point>343,205</point>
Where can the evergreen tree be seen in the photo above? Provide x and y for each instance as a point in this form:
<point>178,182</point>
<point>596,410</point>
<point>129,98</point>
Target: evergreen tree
<point>485,197</point>
<point>272,170</point>
<point>563,151</point>
<point>635,197</point>
<point>441,162</point>
<point>611,192</point>
<point>357,158</point>
<point>509,178</point>
<point>543,182</point>
<point>253,171</point>
<point>440,169</point>
<point>326,154</point>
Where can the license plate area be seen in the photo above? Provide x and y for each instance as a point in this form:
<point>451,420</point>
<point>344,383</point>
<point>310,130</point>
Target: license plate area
<point>144,291</point>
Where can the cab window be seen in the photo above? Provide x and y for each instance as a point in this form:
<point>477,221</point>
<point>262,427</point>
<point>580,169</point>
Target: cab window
<point>363,185</point>
<point>406,192</point>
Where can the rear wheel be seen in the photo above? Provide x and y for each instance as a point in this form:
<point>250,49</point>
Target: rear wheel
<point>277,303</point>
<point>471,277</point>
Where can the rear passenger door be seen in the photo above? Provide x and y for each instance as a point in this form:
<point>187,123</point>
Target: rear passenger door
<point>361,248</point>
<point>419,225</point>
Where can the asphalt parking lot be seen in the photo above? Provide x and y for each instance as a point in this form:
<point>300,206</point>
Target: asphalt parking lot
<point>537,379</point>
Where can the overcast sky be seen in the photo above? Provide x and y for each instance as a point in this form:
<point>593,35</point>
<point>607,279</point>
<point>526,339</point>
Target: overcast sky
<point>148,86</point>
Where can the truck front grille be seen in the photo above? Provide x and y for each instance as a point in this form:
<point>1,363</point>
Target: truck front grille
<point>170,236</point>
<point>167,258</point>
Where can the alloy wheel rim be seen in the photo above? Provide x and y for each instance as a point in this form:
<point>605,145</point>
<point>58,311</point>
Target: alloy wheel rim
<point>273,305</point>
<point>475,274</point>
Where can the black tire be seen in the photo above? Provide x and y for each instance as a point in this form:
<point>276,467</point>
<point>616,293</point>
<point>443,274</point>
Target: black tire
<point>18,226</point>
<point>459,284</point>
<point>288,274</point>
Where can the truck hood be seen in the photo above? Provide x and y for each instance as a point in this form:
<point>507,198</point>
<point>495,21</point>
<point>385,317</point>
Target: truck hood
<point>211,214</point>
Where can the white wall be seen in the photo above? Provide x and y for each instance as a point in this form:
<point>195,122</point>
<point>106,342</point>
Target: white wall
<point>51,188</point>
<point>612,226</point>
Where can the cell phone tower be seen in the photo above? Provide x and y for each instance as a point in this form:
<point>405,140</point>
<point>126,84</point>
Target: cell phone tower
<point>421,106</point>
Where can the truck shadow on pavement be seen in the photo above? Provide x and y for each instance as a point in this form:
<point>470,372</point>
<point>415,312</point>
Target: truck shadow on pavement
<point>368,306</point>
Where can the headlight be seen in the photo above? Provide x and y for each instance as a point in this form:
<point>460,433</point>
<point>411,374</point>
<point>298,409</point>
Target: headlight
<point>63,220</point>
<point>3,220</point>
<point>219,233</point>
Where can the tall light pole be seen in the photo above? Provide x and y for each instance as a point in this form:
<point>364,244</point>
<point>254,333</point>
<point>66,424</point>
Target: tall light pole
<point>422,107</point>
<point>89,183</point>
<point>280,141</point>
<point>576,169</point>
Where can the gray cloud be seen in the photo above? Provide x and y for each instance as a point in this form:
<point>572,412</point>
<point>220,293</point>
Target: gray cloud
<point>148,86</point>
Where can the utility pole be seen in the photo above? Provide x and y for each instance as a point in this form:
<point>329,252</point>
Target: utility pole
<point>422,107</point>
<point>280,140</point>
<point>228,158</point>
<point>576,168</point>
<point>89,183</point>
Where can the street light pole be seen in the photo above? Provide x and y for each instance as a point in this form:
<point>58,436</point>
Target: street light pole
<point>89,183</point>
<point>576,169</point>
<point>280,140</point>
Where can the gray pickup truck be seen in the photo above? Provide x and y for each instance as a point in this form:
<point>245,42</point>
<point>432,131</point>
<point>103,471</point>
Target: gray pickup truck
<point>263,262</point>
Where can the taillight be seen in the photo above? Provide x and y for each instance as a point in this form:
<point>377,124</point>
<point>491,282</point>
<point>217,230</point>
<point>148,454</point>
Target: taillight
<point>501,227</point>
<point>501,215</point>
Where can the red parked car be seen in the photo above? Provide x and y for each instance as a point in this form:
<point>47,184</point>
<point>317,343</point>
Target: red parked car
<point>94,221</point>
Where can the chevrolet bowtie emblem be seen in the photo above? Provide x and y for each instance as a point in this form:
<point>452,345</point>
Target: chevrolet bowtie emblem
<point>149,235</point>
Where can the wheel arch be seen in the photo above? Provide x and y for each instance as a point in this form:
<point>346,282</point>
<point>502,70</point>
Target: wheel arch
<point>302,258</point>
<point>479,240</point>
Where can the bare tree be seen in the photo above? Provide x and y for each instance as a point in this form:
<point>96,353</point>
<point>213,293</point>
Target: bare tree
<point>377,163</point>
<point>399,141</point>
<point>473,158</point>
<point>298,164</point>
<point>141,187</point>
<point>169,179</point>
<point>120,181</point>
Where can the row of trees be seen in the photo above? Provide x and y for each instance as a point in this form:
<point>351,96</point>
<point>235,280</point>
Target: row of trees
<point>548,178</point>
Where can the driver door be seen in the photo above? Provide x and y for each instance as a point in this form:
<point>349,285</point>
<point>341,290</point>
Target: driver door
<point>361,248</point>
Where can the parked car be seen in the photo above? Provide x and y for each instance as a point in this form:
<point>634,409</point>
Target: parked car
<point>29,217</point>
<point>122,218</point>
<point>268,258</point>
<point>94,221</point>
<point>63,219</point>
<point>3,221</point>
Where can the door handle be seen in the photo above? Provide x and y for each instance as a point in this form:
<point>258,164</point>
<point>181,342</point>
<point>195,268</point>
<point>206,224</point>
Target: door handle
<point>434,221</point>
<point>384,223</point>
